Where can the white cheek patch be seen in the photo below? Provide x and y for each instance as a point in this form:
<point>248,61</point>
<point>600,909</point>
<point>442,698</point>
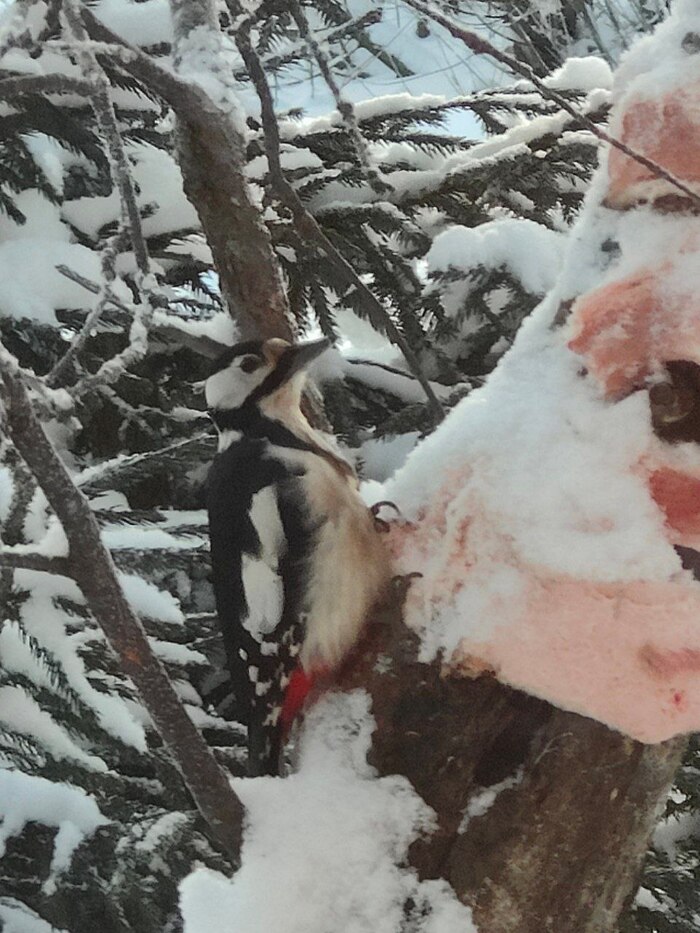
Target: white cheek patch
<point>230,387</point>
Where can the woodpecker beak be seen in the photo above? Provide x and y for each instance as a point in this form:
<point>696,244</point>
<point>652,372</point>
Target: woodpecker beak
<point>294,359</point>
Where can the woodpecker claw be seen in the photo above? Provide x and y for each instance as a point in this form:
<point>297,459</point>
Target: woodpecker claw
<point>381,524</point>
<point>402,581</point>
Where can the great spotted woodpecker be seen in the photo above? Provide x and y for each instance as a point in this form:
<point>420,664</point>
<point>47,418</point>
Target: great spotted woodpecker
<point>296,557</point>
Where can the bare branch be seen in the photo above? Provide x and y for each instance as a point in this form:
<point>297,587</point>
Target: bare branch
<point>93,570</point>
<point>481,46</point>
<point>309,228</point>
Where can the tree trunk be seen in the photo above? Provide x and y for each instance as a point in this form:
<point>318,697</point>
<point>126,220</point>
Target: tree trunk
<point>562,845</point>
<point>211,155</point>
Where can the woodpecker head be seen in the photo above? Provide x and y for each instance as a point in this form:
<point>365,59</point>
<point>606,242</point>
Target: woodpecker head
<point>267,374</point>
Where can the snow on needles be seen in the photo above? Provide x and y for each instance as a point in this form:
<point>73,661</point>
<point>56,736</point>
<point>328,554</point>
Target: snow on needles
<point>25,798</point>
<point>322,846</point>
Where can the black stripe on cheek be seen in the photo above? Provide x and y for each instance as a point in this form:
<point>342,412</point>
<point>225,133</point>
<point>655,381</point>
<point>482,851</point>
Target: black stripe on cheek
<point>253,347</point>
<point>277,377</point>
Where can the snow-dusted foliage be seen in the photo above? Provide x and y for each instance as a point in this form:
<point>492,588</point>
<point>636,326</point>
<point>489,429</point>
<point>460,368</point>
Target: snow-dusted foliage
<point>459,242</point>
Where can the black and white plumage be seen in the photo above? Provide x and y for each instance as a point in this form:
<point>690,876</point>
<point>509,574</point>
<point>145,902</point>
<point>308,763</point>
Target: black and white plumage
<point>297,561</point>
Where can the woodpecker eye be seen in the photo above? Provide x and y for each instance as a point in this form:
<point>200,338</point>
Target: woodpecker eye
<point>250,363</point>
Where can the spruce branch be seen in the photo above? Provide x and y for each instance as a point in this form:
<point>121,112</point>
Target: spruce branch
<point>212,157</point>
<point>309,228</point>
<point>47,563</point>
<point>93,570</point>
<point>23,85</point>
<point>481,46</point>
<point>160,328</point>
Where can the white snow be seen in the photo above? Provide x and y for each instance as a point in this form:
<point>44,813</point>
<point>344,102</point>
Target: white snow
<point>540,455</point>
<point>7,491</point>
<point>35,260</point>
<point>382,457</point>
<point>47,622</point>
<point>21,713</point>
<point>16,917</point>
<point>531,252</point>
<point>147,600</point>
<point>25,798</point>
<point>582,74</point>
<point>322,847</point>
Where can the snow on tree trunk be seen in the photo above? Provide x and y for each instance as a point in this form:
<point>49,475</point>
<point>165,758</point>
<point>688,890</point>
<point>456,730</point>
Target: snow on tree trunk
<point>544,517</point>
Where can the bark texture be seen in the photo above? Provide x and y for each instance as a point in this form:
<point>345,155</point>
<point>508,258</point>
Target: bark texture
<point>562,847</point>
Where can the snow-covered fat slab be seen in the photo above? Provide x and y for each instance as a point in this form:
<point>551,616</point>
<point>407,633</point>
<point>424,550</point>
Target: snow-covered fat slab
<point>322,846</point>
<point>545,510</point>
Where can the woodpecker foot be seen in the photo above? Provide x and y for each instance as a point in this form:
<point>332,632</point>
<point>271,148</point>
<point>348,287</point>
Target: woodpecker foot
<point>381,525</point>
<point>402,582</point>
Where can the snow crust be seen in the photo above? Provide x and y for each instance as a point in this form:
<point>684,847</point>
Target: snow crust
<point>322,846</point>
<point>25,798</point>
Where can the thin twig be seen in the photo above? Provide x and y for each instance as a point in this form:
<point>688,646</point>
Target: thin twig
<point>107,124</point>
<point>104,297</point>
<point>481,46</point>
<point>345,107</point>
<point>45,85</point>
<point>309,228</point>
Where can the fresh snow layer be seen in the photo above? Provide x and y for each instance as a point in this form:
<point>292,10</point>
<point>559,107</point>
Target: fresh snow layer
<point>322,846</point>
<point>147,600</point>
<point>581,74</point>
<point>530,252</point>
<point>16,917</point>
<point>25,798</point>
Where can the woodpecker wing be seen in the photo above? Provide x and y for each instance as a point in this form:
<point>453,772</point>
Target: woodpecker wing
<point>260,538</point>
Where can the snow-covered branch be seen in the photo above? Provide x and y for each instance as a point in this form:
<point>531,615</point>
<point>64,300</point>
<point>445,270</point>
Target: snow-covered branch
<point>481,46</point>
<point>344,105</point>
<point>104,298</point>
<point>100,99</point>
<point>97,579</point>
<point>309,228</point>
<point>21,85</point>
<point>47,563</point>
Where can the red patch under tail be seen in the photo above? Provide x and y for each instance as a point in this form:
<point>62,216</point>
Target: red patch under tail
<point>298,689</point>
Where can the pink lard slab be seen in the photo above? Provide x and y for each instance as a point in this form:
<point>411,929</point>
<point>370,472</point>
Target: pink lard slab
<point>665,129</point>
<point>626,654</point>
